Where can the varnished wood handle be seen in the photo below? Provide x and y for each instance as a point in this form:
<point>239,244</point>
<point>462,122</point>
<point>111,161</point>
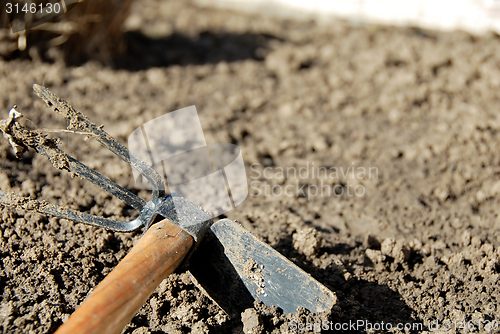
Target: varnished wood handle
<point>121,294</point>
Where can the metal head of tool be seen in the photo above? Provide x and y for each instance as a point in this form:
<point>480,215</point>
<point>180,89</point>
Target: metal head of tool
<point>234,267</point>
<point>22,138</point>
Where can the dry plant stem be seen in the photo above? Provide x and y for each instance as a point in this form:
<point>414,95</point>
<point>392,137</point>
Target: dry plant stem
<point>67,131</point>
<point>22,138</point>
<point>6,124</point>
<point>78,30</point>
<point>79,122</point>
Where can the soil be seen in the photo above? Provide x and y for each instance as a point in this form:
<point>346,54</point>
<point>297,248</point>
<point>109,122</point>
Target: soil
<point>410,233</point>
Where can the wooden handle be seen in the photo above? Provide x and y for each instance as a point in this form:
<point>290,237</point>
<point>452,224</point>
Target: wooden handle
<point>121,294</point>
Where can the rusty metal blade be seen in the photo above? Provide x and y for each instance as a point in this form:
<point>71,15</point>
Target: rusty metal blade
<point>235,269</point>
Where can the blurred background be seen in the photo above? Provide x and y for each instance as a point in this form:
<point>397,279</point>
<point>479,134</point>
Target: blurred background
<point>96,28</point>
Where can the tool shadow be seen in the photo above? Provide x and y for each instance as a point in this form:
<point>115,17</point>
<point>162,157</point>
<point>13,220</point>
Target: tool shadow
<point>143,52</point>
<point>357,299</point>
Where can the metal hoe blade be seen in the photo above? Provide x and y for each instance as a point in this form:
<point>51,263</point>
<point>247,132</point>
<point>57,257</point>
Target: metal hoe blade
<point>235,268</point>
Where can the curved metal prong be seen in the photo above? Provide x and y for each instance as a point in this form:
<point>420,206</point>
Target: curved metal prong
<point>78,121</point>
<point>12,200</point>
<point>24,138</point>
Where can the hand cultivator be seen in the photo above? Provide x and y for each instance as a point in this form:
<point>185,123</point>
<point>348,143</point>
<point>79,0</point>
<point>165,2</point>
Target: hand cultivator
<point>229,263</point>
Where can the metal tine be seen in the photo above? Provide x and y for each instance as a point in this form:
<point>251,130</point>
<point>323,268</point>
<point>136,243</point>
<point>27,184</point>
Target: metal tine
<point>61,160</point>
<point>12,200</point>
<point>79,122</point>
<point>100,180</point>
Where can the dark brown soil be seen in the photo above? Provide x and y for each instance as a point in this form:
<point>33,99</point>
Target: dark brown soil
<point>420,245</point>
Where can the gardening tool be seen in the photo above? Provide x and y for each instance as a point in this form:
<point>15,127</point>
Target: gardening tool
<point>230,264</point>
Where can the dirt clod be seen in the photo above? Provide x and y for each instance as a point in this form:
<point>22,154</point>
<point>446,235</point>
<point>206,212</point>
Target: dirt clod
<point>251,322</point>
<point>306,241</point>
